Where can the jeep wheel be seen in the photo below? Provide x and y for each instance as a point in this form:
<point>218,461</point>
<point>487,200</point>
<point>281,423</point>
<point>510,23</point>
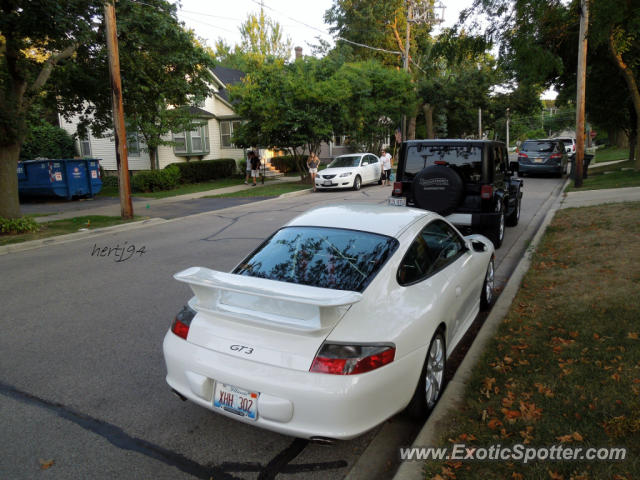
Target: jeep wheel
<point>438,188</point>
<point>357,183</point>
<point>496,233</point>
<point>514,216</point>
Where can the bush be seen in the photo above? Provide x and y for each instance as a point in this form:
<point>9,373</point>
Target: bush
<point>156,180</point>
<point>18,225</point>
<point>285,164</point>
<point>109,181</point>
<point>242,166</point>
<point>47,141</point>
<point>205,170</point>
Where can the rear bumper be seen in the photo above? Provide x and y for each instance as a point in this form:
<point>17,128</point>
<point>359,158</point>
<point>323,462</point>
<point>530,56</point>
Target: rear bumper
<point>294,402</point>
<point>540,168</point>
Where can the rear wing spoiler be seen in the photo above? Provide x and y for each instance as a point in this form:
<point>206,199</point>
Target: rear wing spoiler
<point>259,299</point>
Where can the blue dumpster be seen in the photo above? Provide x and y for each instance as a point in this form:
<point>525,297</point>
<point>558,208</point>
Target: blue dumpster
<point>62,178</point>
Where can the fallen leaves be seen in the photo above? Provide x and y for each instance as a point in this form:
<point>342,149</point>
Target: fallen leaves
<point>575,436</point>
<point>46,464</point>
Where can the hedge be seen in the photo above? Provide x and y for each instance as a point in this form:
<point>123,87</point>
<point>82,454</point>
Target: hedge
<point>204,170</point>
<point>47,141</point>
<point>286,163</point>
<point>156,180</point>
<point>18,225</point>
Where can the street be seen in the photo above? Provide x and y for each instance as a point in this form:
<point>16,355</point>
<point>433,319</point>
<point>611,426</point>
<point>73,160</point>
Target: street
<point>81,367</point>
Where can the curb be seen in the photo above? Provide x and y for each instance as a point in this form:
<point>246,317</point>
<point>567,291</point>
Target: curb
<point>455,390</point>
<point>72,237</point>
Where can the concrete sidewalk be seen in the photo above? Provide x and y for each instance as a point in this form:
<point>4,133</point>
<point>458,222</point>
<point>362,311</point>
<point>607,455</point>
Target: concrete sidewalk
<point>142,204</point>
<point>588,198</point>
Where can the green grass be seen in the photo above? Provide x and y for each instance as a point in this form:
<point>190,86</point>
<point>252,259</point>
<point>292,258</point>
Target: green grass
<point>564,366</point>
<point>266,191</point>
<point>61,227</point>
<point>181,190</point>
<point>610,154</point>
<point>617,178</point>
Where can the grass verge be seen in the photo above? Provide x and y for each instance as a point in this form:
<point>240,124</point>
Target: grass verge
<point>181,190</point>
<point>615,178</point>
<point>266,191</point>
<point>610,154</point>
<point>564,365</point>
<point>61,227</point>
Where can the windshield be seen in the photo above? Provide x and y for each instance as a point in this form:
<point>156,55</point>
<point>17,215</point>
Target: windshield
<point>538,146</point>
<point>320,257</point>
<point>468,159</point>
<point>347,161</point>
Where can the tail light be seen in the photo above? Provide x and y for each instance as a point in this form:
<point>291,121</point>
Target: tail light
<point>573,147</point>
<point>397,188</point>
<point>522,155</point>
<point>440,162</point>
<point>555,156</point>
<point>182,322</point>
<point>336,359</point>
<point>486,192</point>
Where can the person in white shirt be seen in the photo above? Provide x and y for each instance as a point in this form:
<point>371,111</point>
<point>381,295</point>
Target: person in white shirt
<point>385,158</point>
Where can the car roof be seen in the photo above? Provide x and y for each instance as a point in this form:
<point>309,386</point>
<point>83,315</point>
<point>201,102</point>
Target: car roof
<point>354,154</point>
<point>453,141</point>
<point>382,219</point>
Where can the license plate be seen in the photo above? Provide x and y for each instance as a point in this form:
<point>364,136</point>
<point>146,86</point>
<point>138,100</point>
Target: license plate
<point>398,201</point>
<point>236,400</point>
<point>328,183</point>
<point>538,160</point>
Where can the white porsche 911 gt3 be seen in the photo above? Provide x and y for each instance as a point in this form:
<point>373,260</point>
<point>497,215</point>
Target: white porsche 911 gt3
<point>342,318</point>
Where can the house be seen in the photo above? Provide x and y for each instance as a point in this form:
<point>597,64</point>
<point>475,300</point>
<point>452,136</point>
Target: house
<point>210,138</point>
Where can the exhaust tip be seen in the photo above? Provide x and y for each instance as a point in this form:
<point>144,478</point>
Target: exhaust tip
<point>179,395</point>
<point>322,440</point>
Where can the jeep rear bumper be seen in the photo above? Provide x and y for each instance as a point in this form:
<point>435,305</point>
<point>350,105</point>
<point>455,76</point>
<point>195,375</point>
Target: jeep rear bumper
<point>475,220</point>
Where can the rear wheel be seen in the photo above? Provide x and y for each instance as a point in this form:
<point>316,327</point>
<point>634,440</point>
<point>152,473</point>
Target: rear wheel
<point>514,216</point>
<point>431,379</point>
<point>496,233</point>
<point>357,183</point>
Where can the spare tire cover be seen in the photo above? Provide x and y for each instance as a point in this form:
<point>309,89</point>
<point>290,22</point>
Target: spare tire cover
<point>438,188</point>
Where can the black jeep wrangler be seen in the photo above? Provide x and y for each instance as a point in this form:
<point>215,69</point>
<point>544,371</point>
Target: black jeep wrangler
<point>470,182</point>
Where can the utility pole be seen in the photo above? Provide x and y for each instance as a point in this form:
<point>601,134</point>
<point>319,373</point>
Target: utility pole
<point>507,129</point>
<point>480,123</point>
<point>126,207</point>
<point>405,64</point>
<point>582,69</point>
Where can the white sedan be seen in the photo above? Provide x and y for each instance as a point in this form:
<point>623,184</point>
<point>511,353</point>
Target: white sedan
<point>342,318</point>
<point>350,171</point>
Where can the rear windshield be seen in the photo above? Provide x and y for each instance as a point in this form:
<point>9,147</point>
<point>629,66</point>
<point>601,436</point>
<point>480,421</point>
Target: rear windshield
<point>467,159</point>
<point>538,146</point>
<point>320,257</point>
<point>350,161</point>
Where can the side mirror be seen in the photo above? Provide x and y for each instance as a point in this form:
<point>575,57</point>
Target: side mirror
<point>364,164</point>
<point>477,246</point>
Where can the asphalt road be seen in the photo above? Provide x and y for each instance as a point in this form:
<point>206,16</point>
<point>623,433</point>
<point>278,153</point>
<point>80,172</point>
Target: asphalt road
<point>81,367</point>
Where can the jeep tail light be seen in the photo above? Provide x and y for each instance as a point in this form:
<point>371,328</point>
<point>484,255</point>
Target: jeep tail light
<point>486,192</point>
<point>397,188</point>
<point>182,322</point>
<point>338,359</point>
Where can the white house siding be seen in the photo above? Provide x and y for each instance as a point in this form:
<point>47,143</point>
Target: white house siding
<point>104,148</point>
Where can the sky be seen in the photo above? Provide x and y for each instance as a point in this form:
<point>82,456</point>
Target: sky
<point>301,20</point>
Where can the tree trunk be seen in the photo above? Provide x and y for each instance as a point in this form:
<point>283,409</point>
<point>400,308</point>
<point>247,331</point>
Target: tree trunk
<point>152,158</point>
<point>428,119</point>
<point>411,128</point>
<point>9,202</point>
<point>632,85</point>
<point>634,135</point>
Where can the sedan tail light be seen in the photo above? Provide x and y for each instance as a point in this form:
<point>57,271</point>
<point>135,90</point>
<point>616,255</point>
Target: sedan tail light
<point>555,156</point>
<point>397,188</point>
<point>522,155</point>
<point>337,359</point>
<point>182,322</point>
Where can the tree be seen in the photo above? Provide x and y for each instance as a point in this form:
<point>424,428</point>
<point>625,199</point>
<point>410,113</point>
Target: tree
<point>162,67</point>
<point>35,39</point>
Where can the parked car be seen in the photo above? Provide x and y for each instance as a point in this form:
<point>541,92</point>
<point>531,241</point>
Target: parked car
<point>339,320</point>
<point>546,156</point>
<point>569,144</point>
<point>468,181</point>
<point>350,171</point>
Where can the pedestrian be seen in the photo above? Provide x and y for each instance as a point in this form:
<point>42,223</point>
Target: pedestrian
<point>312,164</point>
<point>386,167</point>
<point>255,167</point>
<point>248,169</point>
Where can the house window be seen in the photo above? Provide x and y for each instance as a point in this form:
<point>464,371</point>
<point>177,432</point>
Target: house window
<point>133,145</point>
<point>85,146</point>
<point>227,128</point>
<point>193,142</point>
<point>338,140</point>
